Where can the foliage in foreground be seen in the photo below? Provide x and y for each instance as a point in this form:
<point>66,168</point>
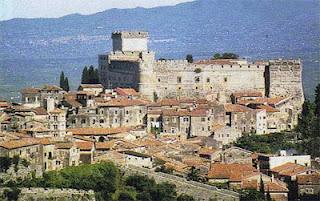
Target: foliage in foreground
<point>107,182</point>
<point>266,143</point>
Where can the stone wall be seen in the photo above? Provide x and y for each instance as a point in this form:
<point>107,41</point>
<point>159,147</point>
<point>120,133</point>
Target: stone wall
<point>200,191</point>
<point>42,194</point>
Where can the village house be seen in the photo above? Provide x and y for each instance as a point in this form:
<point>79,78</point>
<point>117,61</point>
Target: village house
<point>68,154</point>
<point>138,159</point>
<point>94,88</point>
<point>309,185</point>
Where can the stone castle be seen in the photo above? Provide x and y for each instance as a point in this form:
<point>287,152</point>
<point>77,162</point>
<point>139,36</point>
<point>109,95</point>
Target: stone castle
<point>131,64</point>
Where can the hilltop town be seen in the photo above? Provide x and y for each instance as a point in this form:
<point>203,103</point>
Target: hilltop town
<point>173,120</point>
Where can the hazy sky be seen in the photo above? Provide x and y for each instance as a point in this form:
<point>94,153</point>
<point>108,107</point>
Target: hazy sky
<point>56,8</point>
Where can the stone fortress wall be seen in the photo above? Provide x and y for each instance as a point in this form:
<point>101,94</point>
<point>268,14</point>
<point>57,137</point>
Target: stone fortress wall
<point>125,67</point>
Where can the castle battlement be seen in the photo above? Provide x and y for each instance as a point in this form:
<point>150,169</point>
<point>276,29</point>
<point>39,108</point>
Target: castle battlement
<point>171,62</point>
<point>129,34</point>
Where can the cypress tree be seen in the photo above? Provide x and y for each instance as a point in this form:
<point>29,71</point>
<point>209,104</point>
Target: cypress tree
<point>62,80</point>
<point>66,84</point>
<point>189,58</point>
<point>306,118</point>
<point>261,186</point>
<point>96,75</point>
<point>84,77</point>
<point>91,75</point>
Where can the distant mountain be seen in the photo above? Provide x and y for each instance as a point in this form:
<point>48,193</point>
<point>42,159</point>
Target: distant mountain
<point>250,28</point>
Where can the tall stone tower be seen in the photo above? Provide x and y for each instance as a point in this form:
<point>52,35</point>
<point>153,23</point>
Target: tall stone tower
<point>130,64</point>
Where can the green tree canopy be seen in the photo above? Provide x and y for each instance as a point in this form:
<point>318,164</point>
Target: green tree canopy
<point>189,58</point>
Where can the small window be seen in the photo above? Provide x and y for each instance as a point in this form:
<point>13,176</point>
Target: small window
<point>197,79</point>
<point>208,80</point>
<point>179,79</point>
<point>203,119</point>
<point>159,80</point>
<point>225,79</point>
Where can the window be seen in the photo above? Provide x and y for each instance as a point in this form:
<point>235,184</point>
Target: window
<point>127,112</point>
<point>173,130</point>
<point>208,80</point>
<point>185,119</point>
<point>55,127</point>
<point>202,128</point>
<point>197,79</point>
<point>115,112</point>
<point>225,79</point>
<point>159,80</point>
<point>203,119</point>
<point>101,121</point>
<point>179,79</point>
<point>115,120</point>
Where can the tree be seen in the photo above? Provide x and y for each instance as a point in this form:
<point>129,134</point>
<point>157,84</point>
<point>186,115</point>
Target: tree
<point>306,119</point>
<point>194,174</point>
<point>251,195</point>
<point>189,58</point>
<point>184,197</point>
<point>268,197</point>
<point>155,96</point>
<point>85,76</point>
<point>62,80</point>
<point>261,189</point>
<point>216,56</point>
<point>66,84</point>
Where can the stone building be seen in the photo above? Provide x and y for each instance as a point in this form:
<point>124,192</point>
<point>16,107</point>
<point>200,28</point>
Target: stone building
<point>131,64</point>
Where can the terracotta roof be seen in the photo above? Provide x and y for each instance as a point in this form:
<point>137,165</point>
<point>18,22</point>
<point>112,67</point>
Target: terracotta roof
<point>40,111</point>
<point>4,104</point>
<point>309,179</point>
<point>91,86</point>
<point>86,146</point>
<point>51,88</point>
<point>98,131</point>
<point>247,94</point>
<point>168,102</point>
<point>64,145</point>
<point>30,91</point>
<point>105,145</point>
<point>86,93</point>
<point>275,187</point>
<point>225,171</point>
<point>267,108</point>
<point>14,144</point>
<point>122,102</point>
<point>126,92</point>
<point>263,101</point>
<point>236,108</point>
<point>272,187</point>
<point>289,169</point>
<point>72,100</point>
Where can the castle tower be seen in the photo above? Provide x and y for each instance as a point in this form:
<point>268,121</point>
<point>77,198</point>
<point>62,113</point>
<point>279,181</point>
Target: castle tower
<point>130,41</point>
<point>130,64</point>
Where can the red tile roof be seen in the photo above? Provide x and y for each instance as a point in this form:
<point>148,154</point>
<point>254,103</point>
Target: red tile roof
<point>14,144</point>
<point>85,146</point>
<point>30,91</point>
<point>126,92</point>
<point>236,108</point>
<point>98,131</point>
<point>226,171</point>
<point>289,169</point>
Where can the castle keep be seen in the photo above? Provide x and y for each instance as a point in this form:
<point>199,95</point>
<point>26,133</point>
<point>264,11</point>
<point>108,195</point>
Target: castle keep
<point>131,64</point>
